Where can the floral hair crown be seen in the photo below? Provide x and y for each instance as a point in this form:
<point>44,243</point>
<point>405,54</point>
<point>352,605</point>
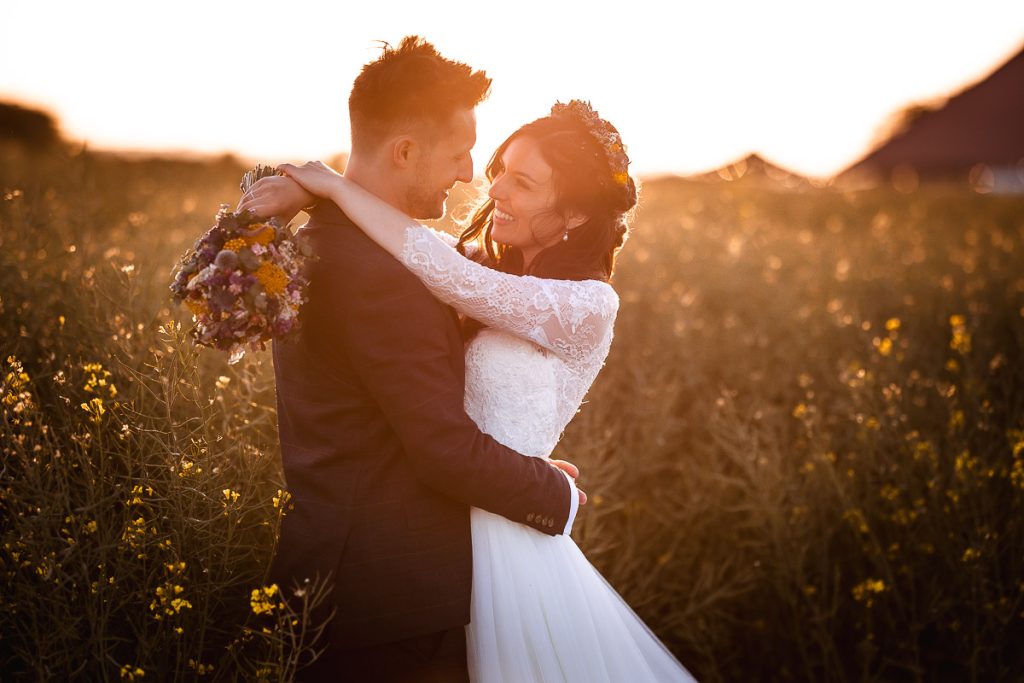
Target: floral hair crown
<point>602,131</point>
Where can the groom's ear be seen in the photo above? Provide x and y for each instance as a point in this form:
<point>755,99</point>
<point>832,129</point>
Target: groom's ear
<point>404,151</point>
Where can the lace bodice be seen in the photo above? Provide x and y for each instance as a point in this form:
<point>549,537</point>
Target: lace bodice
<point>545,341</point>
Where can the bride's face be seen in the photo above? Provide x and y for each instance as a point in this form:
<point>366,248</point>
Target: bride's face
<point>524,200</point>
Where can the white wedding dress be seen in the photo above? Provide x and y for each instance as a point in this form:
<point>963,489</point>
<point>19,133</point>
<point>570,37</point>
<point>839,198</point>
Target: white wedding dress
<point>540,611</point>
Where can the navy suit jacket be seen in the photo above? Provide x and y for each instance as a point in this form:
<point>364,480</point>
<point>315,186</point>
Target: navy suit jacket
<point>379,456</point>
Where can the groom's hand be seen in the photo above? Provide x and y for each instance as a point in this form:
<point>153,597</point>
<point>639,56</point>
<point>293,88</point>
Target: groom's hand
<point>276,196</point>
<point>573,472</point>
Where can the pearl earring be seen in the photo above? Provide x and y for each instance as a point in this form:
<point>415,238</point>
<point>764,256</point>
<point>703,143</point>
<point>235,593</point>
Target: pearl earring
<point>565,235</point>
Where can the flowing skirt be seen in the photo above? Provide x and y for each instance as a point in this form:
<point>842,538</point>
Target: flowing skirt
<point>541,612</point>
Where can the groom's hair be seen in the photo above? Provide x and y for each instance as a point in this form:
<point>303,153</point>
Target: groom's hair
<point>408,85</point>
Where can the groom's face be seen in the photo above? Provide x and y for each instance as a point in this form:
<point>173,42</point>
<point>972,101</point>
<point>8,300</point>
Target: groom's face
<point>443,161</point>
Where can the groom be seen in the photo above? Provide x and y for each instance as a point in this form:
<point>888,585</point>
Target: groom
<point>379,455</point>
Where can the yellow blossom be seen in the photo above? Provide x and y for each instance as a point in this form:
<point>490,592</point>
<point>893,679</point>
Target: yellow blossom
<point>867,589</point>
<point>261,599</point>
<point>167,603</point>
<point>965,464</point>
<point>97,380</point>
<point>961,339</point>
<point>281,498</point>
<point>198,308</point>
<point>235,244</point>
<point>263,237</point>
<point>137,492</point>
<point>95,409</point>
<point>132,673</point>
<point>135,532</point>
<point>199,667</point>
<point>890,492</point>
<point>14,389</point>
<point>970,555</point>
<point>856,519</point>
<point>188,467</point>
<point>272,277</point>
<point>1016,439</point>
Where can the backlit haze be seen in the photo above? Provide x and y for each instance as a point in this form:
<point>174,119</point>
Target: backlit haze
<point>805,84</point>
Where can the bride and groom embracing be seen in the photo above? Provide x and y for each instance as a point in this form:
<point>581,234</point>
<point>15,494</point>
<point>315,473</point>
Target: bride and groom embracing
<point>433,377</point>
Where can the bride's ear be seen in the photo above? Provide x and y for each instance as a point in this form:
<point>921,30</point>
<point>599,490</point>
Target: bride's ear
<point>574,219</point>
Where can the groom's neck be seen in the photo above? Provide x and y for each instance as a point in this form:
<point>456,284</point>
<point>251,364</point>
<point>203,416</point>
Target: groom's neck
<point>380,181</point>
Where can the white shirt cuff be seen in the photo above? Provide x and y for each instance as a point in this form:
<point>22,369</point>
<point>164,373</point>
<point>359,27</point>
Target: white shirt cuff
<point>574,503</point>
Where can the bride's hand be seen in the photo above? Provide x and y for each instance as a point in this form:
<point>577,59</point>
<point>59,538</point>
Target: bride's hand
<point>316,177</point>
<point>573,472</point>
<point>275,196</point>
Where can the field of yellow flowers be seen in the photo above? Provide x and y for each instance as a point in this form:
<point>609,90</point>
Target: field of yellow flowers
<point>805,454</point>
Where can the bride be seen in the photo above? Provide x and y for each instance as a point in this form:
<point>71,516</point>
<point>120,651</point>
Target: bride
<point>530,276</point>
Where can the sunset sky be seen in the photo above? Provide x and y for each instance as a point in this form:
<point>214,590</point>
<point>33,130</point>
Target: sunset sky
<point>806,84</point>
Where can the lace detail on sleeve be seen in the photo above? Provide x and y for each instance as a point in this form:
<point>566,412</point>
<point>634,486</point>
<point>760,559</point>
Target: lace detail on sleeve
<point>572,318</point>
<point>453,241</point>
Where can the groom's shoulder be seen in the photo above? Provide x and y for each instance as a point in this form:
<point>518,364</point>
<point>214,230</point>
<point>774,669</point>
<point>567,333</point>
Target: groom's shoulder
<point>344,253</point>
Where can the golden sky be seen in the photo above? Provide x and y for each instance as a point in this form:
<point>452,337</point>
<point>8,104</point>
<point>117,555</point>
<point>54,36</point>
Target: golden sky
<point>691,85</point>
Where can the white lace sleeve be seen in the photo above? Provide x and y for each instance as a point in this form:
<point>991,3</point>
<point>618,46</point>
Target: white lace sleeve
<point>572,318</point>
<point>453,241</point>
<point>446,237</point>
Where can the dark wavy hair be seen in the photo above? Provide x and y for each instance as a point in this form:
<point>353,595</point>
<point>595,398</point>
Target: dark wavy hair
<point>407,84</point>
<point>584,183</point>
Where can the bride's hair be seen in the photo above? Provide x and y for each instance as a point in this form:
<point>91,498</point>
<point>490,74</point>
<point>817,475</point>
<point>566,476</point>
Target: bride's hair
<point>584,183</point>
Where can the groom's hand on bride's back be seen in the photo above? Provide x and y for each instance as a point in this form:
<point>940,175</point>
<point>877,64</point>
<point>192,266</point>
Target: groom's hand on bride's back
<point>573,472</point>
<point>276,196</point>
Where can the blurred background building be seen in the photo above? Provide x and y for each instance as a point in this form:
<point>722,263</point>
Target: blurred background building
<point>976,136</point>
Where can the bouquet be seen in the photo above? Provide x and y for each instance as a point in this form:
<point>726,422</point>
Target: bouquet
<point>244,280</point>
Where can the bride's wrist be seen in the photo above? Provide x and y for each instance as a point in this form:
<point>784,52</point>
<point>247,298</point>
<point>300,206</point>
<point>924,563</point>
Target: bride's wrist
<point>339,191</point>
<point>313,201</point>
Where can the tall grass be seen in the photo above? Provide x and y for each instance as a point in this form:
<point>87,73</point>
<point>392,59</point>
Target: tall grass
<point>806,449</point>
<point>805,454</point>
<point>141,485</point>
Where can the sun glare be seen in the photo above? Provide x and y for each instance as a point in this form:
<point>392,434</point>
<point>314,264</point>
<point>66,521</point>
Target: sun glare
<point>690,87</point>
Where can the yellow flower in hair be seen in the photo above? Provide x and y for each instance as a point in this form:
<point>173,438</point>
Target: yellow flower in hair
<point>236,244</point>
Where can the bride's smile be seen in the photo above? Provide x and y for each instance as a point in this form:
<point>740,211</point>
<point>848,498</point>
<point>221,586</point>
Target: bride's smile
<point>530,214</point>
<point>524,200</point>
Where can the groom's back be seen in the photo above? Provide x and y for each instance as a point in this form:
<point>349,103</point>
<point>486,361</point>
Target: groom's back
<point>400,551</point>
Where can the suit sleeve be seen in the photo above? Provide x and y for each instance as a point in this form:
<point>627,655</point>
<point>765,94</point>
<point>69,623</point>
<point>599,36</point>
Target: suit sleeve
<point>398,340</point>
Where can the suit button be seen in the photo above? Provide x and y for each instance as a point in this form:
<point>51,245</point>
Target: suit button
<point>529,517</point>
